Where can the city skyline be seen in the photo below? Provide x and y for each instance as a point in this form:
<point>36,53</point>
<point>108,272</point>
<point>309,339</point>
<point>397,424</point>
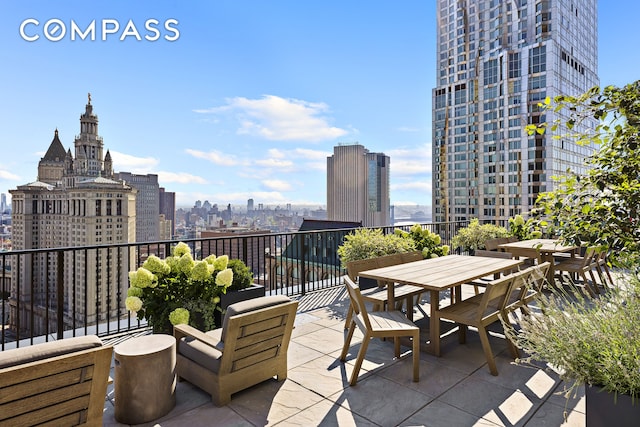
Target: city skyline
<point>249,100</point>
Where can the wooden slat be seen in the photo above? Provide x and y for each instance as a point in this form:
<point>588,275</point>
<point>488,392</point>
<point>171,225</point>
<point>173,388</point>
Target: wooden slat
<point>45,384</point>
<point>47,414</point>
<point>26,372</point>
<point>443,272</point>
<point>47,399</point>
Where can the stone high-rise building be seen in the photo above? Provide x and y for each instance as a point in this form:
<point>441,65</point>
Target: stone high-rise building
<point>358,186</point>
<point>496,62</point>
<point>75,201</point>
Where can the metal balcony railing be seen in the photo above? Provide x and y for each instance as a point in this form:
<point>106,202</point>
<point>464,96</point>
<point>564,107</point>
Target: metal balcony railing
<point>55,293</point>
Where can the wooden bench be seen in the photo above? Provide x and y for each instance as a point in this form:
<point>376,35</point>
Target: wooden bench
<point>55,383</point>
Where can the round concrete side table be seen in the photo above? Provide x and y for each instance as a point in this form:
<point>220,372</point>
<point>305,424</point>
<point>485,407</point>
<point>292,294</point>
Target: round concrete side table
<point>145,378</point>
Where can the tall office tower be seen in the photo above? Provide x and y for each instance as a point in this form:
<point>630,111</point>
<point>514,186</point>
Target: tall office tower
<point>3,202</point>
<point>358,186</point>
<point>496,61</point>
<point>75,201</point>
<point>147,204</point>
<point>168,209</point>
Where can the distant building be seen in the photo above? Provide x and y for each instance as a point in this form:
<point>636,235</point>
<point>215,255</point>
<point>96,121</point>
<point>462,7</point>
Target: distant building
<point>496,62</point>
<point>75,201</point>
<point>236,242</point>
<point>147,204</point>
<point>358,186</point>
<point>168,209</point>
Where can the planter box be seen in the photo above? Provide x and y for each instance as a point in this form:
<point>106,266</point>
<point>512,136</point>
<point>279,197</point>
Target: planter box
<point>604,411</point>
<point>253,291</point>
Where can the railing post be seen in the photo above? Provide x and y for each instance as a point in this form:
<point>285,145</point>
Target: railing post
<point>60,294</point>
<point>303,272</point>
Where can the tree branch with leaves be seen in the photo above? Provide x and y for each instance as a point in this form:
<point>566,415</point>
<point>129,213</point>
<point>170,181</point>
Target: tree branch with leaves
<point>601,207</point>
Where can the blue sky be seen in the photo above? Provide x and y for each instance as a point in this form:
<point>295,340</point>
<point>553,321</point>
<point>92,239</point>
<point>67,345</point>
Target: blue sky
<point>252,96</point>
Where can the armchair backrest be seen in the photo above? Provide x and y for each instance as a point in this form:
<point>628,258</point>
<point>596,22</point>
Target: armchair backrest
<point>61,382</point>
<point>256,330</point>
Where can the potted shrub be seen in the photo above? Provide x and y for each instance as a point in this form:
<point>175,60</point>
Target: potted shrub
<point>425,240</point>
<point>595,342</point>
<point>525,230</point>
<point>365,243</point>
<point>179,289</point>
<point>475,235</point>
<point>242,288</point>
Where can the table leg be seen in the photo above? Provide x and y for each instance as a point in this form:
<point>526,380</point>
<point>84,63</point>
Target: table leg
<point>434,323</point>
<point>551,273</point>
<point>391,297</point>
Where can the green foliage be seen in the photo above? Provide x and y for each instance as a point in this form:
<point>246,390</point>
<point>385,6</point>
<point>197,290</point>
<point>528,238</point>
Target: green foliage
<point>161,286</point>
<point>366,243</point>
<point>475,235</point>
<point>242,276</point>
<point>601,207</point>
<point>425,240</point>
<point>525,230</point>
<point>593,341</point>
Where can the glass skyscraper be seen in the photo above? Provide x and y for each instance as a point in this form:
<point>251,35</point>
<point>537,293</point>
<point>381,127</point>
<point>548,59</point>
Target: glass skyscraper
<point>496,62</point>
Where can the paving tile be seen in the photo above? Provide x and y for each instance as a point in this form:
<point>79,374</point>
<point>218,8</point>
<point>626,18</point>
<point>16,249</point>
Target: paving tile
<point>272,401</point>
<point>299,354</point>
<point>327,414</point>
<point>439,414</point>
<point>495,403</point>
<point>325,340</point>
<point>325,375</point>
<point>370,398</point>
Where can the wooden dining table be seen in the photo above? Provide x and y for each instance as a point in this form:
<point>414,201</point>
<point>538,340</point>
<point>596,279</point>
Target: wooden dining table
<point>541,249</point>
<point>436,275</point>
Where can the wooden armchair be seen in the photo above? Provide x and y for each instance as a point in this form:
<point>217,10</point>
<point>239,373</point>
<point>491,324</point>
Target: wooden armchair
<point>379,324</point>
<point>55,383</point>
<point>250,347</point>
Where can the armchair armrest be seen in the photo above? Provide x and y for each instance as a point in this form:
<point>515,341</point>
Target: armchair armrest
<point>181,331</point>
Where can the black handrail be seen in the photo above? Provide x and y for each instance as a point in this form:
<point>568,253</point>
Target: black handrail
<point>59,292</point>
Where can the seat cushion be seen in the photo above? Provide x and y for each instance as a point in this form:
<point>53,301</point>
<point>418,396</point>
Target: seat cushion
<point>251,305</point>
<point>46,350</point>
<point>201,353</point>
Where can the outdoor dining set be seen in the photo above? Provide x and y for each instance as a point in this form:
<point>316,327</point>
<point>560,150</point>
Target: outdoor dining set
<point>510,274</point>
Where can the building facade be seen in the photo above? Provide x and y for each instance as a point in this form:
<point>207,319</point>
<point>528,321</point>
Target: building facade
<point>497,61</point>
<point>358,186</point>
<point>75,201</point>
<point>168,209</point>
<point>147,204</point>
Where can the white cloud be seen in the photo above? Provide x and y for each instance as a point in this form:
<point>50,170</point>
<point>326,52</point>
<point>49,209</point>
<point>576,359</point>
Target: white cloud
<point>407,162</point>
<point>8,175</point>
<point>407,129</point>
<point>180,178</point>
<point>215,157</point>
<point>279,119</point>
<point>127,163</point>
<point>274,163</point>
<point>276,185</point>
<point>312,154</point>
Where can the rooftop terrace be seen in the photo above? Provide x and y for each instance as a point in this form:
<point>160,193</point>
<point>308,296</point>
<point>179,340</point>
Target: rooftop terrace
<point>454,390</point>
